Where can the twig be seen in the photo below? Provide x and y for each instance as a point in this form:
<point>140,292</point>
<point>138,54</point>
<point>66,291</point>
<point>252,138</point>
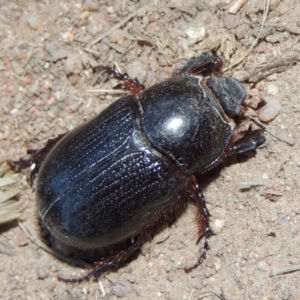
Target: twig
<point>247,185</point>
<point>266,10</point>
<point>281,136</point>
<point>103,35</point>
<point>276,272</point>
<point>236,6</point>
<point>191,294</point>
<point>276,66</point>
<point>275,132</point>
<point>101,288</point>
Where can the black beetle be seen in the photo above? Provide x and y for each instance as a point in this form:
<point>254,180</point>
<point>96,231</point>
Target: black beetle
<point>111,181</point>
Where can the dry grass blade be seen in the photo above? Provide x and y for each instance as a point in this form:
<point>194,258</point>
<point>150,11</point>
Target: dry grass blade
<point>236,6</point>
<point>276,66</point>
<point>120,24</point>
<point>266,10</point>
<point>9,188</point>
<point>9,211</point>
<point>6,181</point>
<point>4,168</point>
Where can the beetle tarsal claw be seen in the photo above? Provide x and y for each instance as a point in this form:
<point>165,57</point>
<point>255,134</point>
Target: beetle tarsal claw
<point>199,262</point>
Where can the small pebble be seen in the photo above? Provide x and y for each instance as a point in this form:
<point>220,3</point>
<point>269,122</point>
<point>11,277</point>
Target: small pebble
<point>171,276</point>
<point>231,21</point>
<point>261,58</point>
<point>260,86</point>
<point>261,47</point>
<point>90,5</point>
<point>56,50</point>
<point>131,278</point>
<point>67,36</point>
<point>73,64</point>
<point>263,266</point>
<point>42,273</point>
<point>269,111</point>
<point>75,79</point>
<point>27,80</point>
<point>136,69</point>
<point>22,239</point>
<point>35,21</point>
<point>217,225</point>
<point>241,31</point>
<point>217,267</point>
<point>195,34</point>
<point>196,283</point>
<point>146,248</point>
<point>217,264</point>
<point>122,290</point>
<point>209,272</point>
<point>17,68</point>
<point>94,25</point>
<point>274,4</point>
<point>272,89</point>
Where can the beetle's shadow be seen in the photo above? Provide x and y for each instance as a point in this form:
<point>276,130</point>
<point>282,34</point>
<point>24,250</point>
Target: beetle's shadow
<point>81,259</point>
<point>8,226</point>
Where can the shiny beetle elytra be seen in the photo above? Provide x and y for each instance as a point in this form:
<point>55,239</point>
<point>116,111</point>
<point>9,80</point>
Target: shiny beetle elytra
<point>110,182</point>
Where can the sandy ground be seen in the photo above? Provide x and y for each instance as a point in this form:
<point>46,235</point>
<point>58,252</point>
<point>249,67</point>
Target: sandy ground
<point>47,49</point>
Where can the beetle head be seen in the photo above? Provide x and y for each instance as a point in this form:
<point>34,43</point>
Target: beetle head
<point>229,92</point>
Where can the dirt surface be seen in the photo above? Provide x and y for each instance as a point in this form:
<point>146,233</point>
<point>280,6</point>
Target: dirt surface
<point>47,50</point>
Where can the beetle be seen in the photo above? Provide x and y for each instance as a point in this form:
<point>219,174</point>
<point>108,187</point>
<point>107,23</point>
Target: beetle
<point>109,183</point>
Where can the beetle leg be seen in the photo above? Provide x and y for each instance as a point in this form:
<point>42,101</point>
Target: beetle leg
<point>35,160</point>
<point>249,141</point>
<point>204,229</point>
<point>127,83</point>
<point>206,64</point>
<point>107,263</point>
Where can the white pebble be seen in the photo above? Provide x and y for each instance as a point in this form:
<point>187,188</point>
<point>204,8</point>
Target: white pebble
<point>217,264</point>
<point>263,266</point>
<point>261,58</point>
<point>218,225</point>
<point>272,89</point>
<point>269,111</point>
<point>195,34</point>
<point>35,21</point>
<point>67,36</point>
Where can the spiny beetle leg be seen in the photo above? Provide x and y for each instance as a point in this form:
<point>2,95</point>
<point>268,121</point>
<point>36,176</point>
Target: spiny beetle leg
<point>206,64</point>
<point>35,160</point>
<point>128,84</point>
<point>204,229</point>
<point>250,140</point>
